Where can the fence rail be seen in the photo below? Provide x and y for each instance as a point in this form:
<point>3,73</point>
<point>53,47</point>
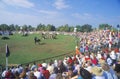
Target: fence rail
<point>54,57</point>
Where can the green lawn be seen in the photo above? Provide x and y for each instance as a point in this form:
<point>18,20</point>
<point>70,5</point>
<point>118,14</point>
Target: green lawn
<point>24,50</point>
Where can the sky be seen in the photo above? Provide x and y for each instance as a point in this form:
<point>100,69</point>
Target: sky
<point>60,12</point>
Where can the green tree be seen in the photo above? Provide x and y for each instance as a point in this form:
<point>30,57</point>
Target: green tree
<point>50,27</point>
<point>66,28</point>
<point>71,28</point>
<point>17,28</point>
<point>41,27</point>
<point>12,27</point>
<point>104,26</point>
<point>60,28</point>
<point>30,28</point>
<point>79,28</point>
<point>86,28</point>
<point>4,27</point>
<point>25,28</point>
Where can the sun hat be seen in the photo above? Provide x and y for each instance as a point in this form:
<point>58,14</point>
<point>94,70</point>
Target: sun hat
<point>97,71</point>
<point>101,61</point>
<point>44,65</point>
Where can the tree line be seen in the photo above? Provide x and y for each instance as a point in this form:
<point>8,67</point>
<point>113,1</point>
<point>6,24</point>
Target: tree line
<point>50,27</point>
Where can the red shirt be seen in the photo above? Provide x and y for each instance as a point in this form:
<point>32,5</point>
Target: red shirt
<point>70,61</point>
<point>87,59</point>
<point>94,61</point>
<point>46,74</point>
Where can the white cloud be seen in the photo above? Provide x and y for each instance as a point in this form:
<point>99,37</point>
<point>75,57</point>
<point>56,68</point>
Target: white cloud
<point>84,16</point>
<point>60,4</point>
<point>29,19</point>
<point>18,18</point>
<point>19,3</point>
<point>48,12</point>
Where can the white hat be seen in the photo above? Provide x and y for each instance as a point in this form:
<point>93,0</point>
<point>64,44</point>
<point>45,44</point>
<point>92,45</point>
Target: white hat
<point>44,65</point>
<point>113,52</point>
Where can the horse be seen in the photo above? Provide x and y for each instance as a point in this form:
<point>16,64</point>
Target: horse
<point>37,40</point>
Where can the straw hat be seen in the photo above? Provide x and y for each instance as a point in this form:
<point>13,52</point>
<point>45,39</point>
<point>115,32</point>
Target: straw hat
<point>97,71</point>
<point>101,61</point>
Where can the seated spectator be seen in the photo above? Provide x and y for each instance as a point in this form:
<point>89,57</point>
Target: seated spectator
<point>32,76</point>
<point>40,68</point>
<point>70,61</point>
<point>54,74</point>
<point>59,76</point>
<point>61,67</point>
<point>88,66</point>
<point>108,71</point>
<point>109,60</point>
<point>33,66</point>
<point>8,75</point>
<point>113,57</point>
<point>3,73</point>
<point>94,59</point>
<point>85,74</point>
<point>55,63</point>
<point>46,73</point>
<point>97,73</point>
<point>50,68</point>
<point>16,74</point>
<point>37,73</point>
<point>23,74</point>
<point>117,69</point>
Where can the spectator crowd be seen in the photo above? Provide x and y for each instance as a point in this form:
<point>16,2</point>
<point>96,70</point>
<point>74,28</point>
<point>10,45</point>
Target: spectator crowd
<point>96,57</point>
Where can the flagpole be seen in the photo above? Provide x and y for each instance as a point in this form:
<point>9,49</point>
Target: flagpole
<point>6,63</point>
<point>6,59</point>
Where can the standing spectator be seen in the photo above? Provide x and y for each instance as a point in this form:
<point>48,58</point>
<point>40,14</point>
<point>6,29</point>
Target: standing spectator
<point>97,73</point>
<point>81,49</point>
<point>77,51</point>
<point>37,73</point>
<point>54,74</point>
<point>46,73</point>
<point>109,60</point>
<point>113,57</point>
<point>108,71</point>
<point>32,76</point>
<point>50,67</point>
<point>23,74</point>
<point>33,66</point>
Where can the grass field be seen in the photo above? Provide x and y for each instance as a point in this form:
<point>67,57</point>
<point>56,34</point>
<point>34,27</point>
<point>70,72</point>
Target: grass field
<point>24,50</point>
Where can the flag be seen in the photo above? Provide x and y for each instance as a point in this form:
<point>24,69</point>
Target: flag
<point>7,51</point>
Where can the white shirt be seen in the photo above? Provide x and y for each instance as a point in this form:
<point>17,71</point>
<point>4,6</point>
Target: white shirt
<point>98,77</point>
<point>38,74</point>
<point>52,76</point>
<point>109,61</point>
<point>4,72</point>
